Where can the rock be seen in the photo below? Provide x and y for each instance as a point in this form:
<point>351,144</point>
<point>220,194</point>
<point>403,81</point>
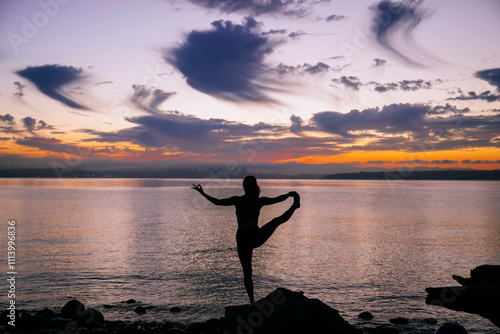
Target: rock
<point>365,315</point>
<point>98,331</point>
<point>58,323</point>
<point>399,321</point>
<point>215,323</point>
<point>485,274</point>
<point>198,328</point>
<point>386,330</point>
<point>130,301</point>
<point>48,314</point>
<point>476,299</point>
<point>175,309</point>
<point>107,306</point>
<point>128,330</point>
<point>166,326</point>
<point>430,321</point>
<point>95,315</point>
<point>31,321</point>
<point>284,311</point>
<point>176,331</point>
<point>451,328</point>
<point>72,309</point>
<point>140,310</point>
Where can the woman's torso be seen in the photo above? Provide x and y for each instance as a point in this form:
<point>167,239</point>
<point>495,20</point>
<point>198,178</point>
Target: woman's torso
<point>247,212</point>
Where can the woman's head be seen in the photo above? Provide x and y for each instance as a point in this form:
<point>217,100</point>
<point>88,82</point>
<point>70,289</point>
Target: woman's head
<point>250,186</point>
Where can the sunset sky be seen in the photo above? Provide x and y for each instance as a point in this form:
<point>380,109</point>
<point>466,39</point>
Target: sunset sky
<point>314,85</point>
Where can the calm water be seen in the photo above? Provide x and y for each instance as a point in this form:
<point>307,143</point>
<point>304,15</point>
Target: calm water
<point>357,245</point>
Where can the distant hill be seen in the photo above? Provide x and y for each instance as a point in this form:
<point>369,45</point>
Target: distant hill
<point>218,173</point>
<point>420,175</point>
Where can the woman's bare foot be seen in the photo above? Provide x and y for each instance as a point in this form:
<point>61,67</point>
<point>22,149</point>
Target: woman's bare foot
<point>296,201</point>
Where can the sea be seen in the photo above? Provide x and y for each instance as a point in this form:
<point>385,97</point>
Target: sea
<point>357,245</point>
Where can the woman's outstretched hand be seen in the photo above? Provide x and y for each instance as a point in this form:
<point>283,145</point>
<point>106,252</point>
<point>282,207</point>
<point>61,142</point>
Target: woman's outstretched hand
<point>198,188</point>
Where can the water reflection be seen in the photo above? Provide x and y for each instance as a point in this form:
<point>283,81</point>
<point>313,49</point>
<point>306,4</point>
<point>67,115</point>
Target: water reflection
<point>356,245</point>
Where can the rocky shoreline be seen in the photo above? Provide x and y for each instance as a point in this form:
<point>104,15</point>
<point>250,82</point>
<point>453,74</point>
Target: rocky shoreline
<point>282,311</point>
<point>478,294</point>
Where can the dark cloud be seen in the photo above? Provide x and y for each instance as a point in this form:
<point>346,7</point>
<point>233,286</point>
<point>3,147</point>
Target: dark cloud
<point>377,62</point>
<point>427,162</point>
<point>392,119</point>
<point>350,82</point>
<point>173,130</point>
<point>296,126</point>
<point>226,62</point>
<point>394,23</point>
<point>8,118</point>
<point>289,8</point>
<point>20,88</point>
<point>31,124</point>
<point>296,35</point>
<point>275,32</point>
<point>54,145</point>
<point>335,18</point>
<point>284,70</point>
<point>492,76</point>
<point>403,85</point>
<point>49,79</point>
<point>467,161</point>
<point>378,162</point>
<point>485,96</point>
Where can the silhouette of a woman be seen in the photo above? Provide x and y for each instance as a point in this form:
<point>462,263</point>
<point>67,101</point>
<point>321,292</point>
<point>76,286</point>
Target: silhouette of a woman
<point>249,235</point>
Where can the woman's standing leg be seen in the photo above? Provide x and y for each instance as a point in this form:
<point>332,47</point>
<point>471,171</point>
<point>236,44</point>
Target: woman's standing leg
<point>245,255</point>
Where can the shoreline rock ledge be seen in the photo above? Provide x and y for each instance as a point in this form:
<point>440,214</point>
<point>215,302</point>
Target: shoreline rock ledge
<point>285,311</point>
<point>479,294</point>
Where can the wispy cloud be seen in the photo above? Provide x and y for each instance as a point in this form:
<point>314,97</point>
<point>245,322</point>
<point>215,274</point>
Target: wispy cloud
<point>49,79</point>
<point>394,23</point>
<point>149,99</point>
<point>20,88</point>
<point>288,8</point>
<point>350,82</point>
<point>335,17</point>
<point>485,96</point>
<point>226,62</point>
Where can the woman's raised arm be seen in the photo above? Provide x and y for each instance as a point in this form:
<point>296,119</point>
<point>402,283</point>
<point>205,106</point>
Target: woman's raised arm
<point>216,201</point>
<point>273,200</point>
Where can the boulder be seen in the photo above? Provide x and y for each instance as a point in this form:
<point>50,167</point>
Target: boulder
<point>478,295</point>
<point>140,310</point>
<point>72,309</point>
<point>284,311</point>
<point>365,315</point>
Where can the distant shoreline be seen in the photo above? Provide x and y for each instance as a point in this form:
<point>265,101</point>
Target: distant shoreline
<point>390,175</point>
